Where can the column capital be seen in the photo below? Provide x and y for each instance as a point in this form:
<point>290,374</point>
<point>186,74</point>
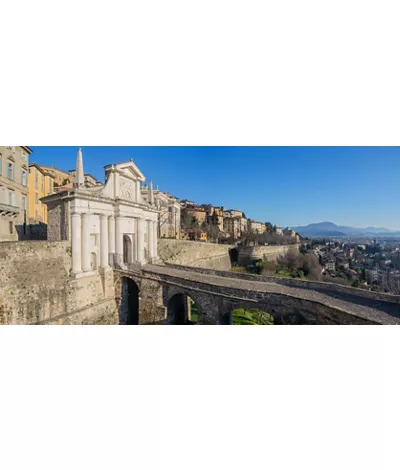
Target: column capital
<point>86,215</point>
<point>76,214</point>
<point>111,217</point>
<point>103,217</point>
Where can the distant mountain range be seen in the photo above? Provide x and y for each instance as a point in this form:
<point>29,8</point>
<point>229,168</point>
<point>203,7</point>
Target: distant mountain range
<point>329,229</point>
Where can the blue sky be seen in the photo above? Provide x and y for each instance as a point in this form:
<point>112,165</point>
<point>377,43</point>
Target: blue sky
<point>356,186</point>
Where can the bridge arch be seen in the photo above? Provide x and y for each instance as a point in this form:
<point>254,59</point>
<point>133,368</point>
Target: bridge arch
<point>182,309</point>
<point>129,304</point>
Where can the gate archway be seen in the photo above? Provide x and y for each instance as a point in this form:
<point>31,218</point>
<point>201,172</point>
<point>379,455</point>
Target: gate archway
<point>182,310</point>
<point>129,308</point>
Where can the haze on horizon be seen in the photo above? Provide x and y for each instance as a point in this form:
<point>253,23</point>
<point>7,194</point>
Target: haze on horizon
<point>288,186</point>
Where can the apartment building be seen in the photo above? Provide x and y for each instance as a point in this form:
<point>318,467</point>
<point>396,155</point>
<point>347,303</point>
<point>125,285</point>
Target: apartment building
<point>90,180</point>
<point>195,211</point>
<point>60,177</point>
<point>40,184</point>
<point>257,227</point>
<point>14,165</point>
<point>232,226</point>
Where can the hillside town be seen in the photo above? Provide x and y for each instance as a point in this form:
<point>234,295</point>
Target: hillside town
<point>371,264</point>
<point>358,262</point>
<point>23,214</point>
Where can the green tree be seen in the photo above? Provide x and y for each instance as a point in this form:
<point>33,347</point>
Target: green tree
<point>214,218</point>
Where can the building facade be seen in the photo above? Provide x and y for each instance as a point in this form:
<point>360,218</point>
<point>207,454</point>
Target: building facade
<point>257,227</point>
<point>169,220</point>
<point>232,226</point>
<point>14,166</point>
<point>108,225</point>
<point>60,177</point>
<point>195,211</point>
<point>40,184</point>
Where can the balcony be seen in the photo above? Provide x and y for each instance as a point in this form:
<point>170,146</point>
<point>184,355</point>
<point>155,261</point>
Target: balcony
<point>6,209</point>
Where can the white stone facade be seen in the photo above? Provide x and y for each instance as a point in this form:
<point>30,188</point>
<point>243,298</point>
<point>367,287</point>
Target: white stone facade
<point>108,225</point>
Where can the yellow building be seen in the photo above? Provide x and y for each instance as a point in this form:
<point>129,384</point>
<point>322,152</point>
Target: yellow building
<point>40,184</point>
<point>60,177</point>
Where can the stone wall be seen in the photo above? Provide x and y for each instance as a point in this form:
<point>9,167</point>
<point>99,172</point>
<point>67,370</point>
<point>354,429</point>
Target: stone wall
<point>36,288</point>
<point>338,291</point>
<point>188,253</point>
<point>58,221</point>
<point>247,254</point>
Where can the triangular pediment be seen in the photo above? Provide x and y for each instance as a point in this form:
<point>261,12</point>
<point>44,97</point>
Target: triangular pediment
<point>131,171</point>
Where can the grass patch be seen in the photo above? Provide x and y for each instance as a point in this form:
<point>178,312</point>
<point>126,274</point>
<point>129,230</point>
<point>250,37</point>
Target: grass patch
<point>243,316</point>
<point>194,314</point>
<point>238,269</point>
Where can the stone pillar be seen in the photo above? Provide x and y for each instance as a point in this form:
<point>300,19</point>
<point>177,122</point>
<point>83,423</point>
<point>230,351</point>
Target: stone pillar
<point>104,263</point>
<point>140,240</point>
<point>119,240</point>
<point>76,243</point>
<point>155,239</point>
<point>86,252</point>
<point>150,243</point>
<point>111,235</point>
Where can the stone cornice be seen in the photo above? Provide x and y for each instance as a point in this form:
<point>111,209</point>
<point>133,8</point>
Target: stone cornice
<point>118,202</point>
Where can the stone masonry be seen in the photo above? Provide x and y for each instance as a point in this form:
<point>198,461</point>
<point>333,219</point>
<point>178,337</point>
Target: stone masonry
<point>36,287</point>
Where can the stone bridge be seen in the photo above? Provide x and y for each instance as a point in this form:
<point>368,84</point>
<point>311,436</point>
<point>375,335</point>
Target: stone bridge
<point>164,294</point>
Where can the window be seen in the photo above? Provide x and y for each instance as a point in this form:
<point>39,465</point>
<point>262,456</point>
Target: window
<point>23,178</point>
<point>10,198</point>
<point>23,203</point>
<point>36,199</point>
<point>10,171</point>
<point>1,164</point>
<point>11,228</point>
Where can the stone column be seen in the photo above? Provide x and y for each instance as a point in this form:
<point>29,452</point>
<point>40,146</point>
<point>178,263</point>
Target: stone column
<point>76,228</point>
<point>155,239</point>
<point>104,241</point>
<point>119,241</point>
<point>111,235</point>
<point>150,245</point>
<point>140,240</point>
<point>86,252</point>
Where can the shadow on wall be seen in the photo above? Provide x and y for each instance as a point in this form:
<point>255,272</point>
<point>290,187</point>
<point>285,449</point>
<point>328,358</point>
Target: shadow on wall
<point>182,310</point>
<point>32,231</point>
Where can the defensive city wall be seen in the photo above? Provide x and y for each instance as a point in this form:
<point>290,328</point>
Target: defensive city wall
<point>202,255</point>
<point>214,256</point>
<point>36,286</point>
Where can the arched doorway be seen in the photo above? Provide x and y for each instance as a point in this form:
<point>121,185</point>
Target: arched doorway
<point>182,310</point>
<point>129,309</point>
<point>127,250</point>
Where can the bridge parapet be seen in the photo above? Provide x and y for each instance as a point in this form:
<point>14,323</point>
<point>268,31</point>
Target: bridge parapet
<point>311,285</point>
